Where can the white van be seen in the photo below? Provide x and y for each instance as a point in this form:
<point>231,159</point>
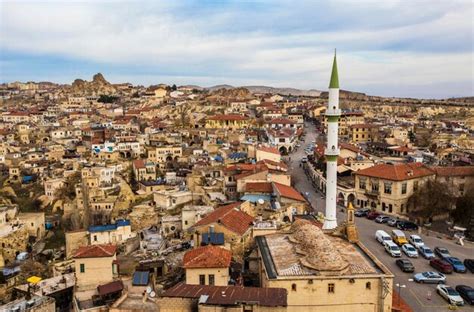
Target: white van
<point>381,236</point>
<point>392,249</point>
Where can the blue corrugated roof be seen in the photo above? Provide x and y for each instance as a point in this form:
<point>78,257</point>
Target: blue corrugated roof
<point>238,155</point>
<point>109,227</point>
<point>102,228</point>
<point>140,278</point>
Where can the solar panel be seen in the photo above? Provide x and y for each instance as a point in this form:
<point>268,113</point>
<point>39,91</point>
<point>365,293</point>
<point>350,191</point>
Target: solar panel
<point>140,278</point>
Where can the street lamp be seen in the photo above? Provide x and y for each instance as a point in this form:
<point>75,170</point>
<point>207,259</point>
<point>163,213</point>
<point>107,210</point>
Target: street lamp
<point>399,286</point>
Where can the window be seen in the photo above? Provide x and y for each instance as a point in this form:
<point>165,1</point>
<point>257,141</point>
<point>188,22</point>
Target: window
<point>211,279</point>
<point>415,186</point>
<point>82,267</point>
<point>185,222</point>
<point>362,184</point>
<point>402,206</point>
<point>375,186</point>
<point>461,188</point>
<point>293,287</point>
<point>202,279</point>
<point>331,288</point>
<point>387,187</point>
<point>95,238</point>
<point>404,188</point>
<point>368,285</point>
<point>390,207</point>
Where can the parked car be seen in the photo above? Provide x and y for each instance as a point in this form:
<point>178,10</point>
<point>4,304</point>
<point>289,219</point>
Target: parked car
<point>469,264</point>
<point>399,237</point>
<point>430,277</point>
<point>458,266</point>
<point>392,222</point>
<point>416,241</point>
<point>407,226</point>
<point>304,159</point>
<point>392,249</point>
<point>450,294</point>
<point>405,265</point>
<point>426,252</point>
<point>381,236</point>
<point>467,293</point>
<point>363,212</point>
<point>441,265</point>
<point>410,251</point>
<point>373,215</point>
<point>381,219</point>
<point>442,252</point>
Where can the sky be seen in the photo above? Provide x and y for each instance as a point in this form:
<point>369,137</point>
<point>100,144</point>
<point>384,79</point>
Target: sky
<point>409,48</point>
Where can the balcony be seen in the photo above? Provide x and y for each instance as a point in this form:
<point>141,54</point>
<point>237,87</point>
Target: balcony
<point>372,192</point>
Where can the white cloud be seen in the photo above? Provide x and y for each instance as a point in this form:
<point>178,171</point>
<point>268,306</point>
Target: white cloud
<point>418,44</point>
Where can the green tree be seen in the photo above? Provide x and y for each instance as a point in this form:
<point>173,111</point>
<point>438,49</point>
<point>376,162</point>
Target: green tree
<point>174,88</point>
<point>431,199</point>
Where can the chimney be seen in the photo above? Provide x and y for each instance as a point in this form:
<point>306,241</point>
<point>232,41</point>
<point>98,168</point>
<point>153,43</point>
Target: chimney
<point>211,229</point>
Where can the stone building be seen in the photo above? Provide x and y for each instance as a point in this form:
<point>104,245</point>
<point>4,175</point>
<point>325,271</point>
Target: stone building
<point>207,265</point>
<point>386,187</point>
<point>323,272</point>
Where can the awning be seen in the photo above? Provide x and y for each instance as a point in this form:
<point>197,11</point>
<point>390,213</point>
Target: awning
<point>110,288</point>
<point>34,279</point>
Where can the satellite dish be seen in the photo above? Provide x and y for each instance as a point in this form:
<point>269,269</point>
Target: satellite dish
<point>152,294</point>
<point>149,290</point>
<point>260,201</point>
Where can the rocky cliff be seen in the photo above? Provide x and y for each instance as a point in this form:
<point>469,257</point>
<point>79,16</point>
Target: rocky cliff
<point>98,85</point>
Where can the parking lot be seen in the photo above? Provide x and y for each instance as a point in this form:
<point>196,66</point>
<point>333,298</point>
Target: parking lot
<point>421,297</point>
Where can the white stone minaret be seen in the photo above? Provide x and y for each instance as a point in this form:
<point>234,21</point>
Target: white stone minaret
<point>332,149</point>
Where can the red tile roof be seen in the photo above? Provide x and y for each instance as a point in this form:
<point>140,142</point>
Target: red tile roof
<point>228,117</point>
<point>399,172</point>
<point>288,192</point>
<point>454,171</point>
<point>269,149</point>
<point>207,257</point>
<point>230,217</point>
<point>259,187</point>
<point>95,251</point>
<point>139,163</point>
<point>281,121</point>
<point>230,295</point>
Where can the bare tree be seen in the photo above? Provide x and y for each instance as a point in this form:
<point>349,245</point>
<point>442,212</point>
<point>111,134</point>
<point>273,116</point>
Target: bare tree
<point>432,199</point>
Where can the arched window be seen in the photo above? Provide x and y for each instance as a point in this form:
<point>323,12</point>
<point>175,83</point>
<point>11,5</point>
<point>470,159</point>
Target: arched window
<point>368,285</point>
<point>293,287</point>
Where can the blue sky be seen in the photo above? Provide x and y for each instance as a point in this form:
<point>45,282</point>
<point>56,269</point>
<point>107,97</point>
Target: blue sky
<point>394,48</point>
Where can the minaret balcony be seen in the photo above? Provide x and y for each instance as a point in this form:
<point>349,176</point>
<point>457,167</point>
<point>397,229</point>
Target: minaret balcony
<point>333,112</point>
<point>332,152</point>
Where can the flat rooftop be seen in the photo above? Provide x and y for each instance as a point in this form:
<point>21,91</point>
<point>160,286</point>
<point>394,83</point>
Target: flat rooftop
<point>51,285</point>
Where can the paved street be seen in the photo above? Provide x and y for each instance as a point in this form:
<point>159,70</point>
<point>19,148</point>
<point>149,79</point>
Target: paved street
<point>420,297</point>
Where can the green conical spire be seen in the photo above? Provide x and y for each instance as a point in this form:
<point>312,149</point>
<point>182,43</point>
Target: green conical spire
<point>334,83</point>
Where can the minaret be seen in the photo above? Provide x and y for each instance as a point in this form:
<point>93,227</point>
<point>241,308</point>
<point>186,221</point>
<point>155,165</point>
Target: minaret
<point>332,149</point>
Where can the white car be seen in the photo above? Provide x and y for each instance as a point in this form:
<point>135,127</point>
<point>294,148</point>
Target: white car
<point>416,241</point>
<point>392,249</point>
<point>450,294</point>
<point>410,251</point>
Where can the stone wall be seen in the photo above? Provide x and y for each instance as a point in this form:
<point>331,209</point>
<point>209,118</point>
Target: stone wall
<point>167,304</point>
<point>13,243</point>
